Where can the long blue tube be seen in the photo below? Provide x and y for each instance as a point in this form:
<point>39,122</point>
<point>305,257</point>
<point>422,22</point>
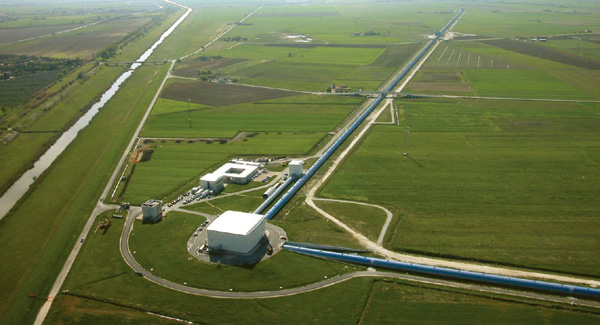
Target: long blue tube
<point>452,273</point>
<point>313,169</point>
<point>275,194</point>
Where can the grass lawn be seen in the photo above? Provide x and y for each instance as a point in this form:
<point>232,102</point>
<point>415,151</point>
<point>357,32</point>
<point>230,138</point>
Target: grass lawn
<point>169,258</point>
<point>305,113</point>
<point>410,303</point>
<point>248,202</point>
<point>521,84</point>
<point>364,219</point>
<point>513,183</point>
<point>175,165</point>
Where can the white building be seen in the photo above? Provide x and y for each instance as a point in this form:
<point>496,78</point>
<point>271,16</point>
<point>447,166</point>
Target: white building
<point>237,232</point>
<point>239,173</point>
<point>296,168</point>
<point>152,210</point>
<point>212,182</point>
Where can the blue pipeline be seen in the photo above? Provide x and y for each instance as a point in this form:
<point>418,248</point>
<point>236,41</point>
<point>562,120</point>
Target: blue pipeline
<point>313,169</point>
<point>275,194</point>
<point>452,273</point>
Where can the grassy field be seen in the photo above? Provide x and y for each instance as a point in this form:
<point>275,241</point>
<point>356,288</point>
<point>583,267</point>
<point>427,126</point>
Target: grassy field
<point>79,44</point>
<point>389,22</point>
<point>587,50</point>
<point>491,68</point>
<point>102,288</point>
<point>304,113</point>
<point>315,68</point>
<point>247,202</point>
<point>364,219</point>
<point>521,84</point>
<point>219,94</point>
<point>411,303</point>
<point>174,165</point>
<point>506,182</point>
<point>528,19</point>
<point>169,258</point>
<point>55,210</point>
<point>18,150</point>
<point>200,27</point>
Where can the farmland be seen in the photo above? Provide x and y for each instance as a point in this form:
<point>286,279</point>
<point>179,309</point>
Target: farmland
<point>506,68</point>
<point>390,301</point>
<point>79,44</point>
<point>490,181</point>
<point>56,209</point>
<point>503,182</point>
<point>314,68</point>
<point>293,114</point>
<point>217,94</point>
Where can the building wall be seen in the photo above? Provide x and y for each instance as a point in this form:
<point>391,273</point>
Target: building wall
<point>236,243</point>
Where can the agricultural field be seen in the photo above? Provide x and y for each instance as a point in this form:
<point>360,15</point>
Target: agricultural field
<point>219,94</point>
<point>315,68</point>
<point>503,182</point>
<point>506,68</point>
<point>529,19</point>
<point>55,211</point>
<point>305,113</point>
<point>390,301</point>
<point>82,44</point>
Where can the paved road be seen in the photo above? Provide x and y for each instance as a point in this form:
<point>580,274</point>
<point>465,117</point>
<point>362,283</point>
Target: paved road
<point>375,247</point>
<point>100,207</point>
<point>125,251</point>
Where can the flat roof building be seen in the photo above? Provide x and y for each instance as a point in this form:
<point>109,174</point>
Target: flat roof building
<point>212,182</point>
<point>239,173</point>
<point>296,168</point>
<point>237,232</point>
<point>152,211</point>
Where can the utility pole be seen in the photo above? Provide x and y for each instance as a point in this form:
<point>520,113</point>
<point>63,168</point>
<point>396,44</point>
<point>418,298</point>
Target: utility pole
<point>405,153</point>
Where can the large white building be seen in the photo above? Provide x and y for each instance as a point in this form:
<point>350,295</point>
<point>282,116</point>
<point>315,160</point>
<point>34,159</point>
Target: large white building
<point>237,232</point>
<point>240,172</point>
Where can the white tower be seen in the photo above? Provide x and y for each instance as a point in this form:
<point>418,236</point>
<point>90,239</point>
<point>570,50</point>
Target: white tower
<point>296,168</point>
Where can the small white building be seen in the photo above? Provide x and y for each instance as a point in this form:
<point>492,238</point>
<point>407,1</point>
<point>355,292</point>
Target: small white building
<point>296,168</point>
<point>212,182</point>
<point>152,211</point>
<point>237,232</point>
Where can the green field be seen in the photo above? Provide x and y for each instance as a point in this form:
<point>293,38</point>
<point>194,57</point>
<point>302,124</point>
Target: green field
<point>528,19</point>
<point>296,114</point>
<point>174,165</point>
<point>521,84</point>
<point>248,202</point>
<point>506,182</point>
<point>54,212</point>
<point>103,289</point>
<point>364,219</point>
<point>168,257</point>
<point>404,302</point>
<point>79,44</point>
